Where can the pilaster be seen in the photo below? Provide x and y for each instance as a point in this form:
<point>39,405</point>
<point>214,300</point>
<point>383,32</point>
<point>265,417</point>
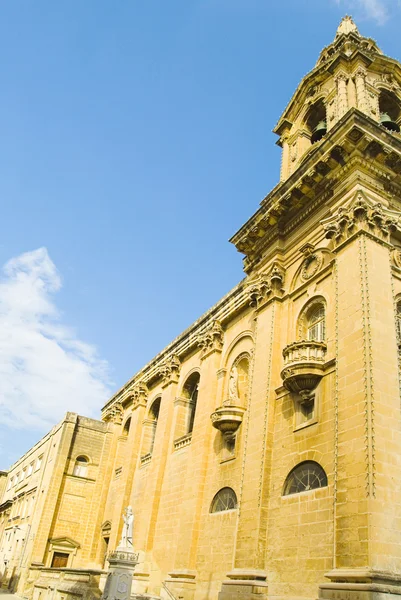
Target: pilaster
<point>182,580</point>
<point>367,548</point>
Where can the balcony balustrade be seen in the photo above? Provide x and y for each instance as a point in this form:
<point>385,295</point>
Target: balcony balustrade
<point>303,366</point>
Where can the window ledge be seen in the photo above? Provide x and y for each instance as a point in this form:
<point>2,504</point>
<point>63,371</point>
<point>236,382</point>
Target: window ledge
<point>183,441</point>
<point>145,460</point>
<point>306,424</point>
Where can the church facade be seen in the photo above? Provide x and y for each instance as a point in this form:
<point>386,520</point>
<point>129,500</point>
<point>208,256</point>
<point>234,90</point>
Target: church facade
<point>261,450</point>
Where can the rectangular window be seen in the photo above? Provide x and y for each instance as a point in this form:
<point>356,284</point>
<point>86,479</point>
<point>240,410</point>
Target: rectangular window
<point>30,469</point>
<point>17,478</point>
<point>23,474</point>
<point>10,482</point>
<point>38,463</point>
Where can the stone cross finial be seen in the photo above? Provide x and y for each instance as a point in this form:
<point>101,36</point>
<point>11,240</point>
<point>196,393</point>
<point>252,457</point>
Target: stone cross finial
<point>346,26</point>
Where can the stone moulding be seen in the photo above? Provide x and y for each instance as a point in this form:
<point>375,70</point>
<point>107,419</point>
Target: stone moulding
<point>362,214</point>
<point>211,340</point>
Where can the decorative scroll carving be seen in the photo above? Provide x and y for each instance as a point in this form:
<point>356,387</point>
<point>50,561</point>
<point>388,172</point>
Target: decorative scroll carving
<point>362,214</point>
<point>115,414</point>
<point>265,286</point>
<point>211,340</point>
<point>139,394</point>
<point>170,370</point>
<point>312,263</point>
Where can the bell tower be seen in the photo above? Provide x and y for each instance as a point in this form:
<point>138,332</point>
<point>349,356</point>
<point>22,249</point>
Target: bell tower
<point>351,72</point>
<point>331,229</point>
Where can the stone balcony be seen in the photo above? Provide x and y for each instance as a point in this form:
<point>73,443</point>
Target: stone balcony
<point>227,419</point>
<point>304,364</point>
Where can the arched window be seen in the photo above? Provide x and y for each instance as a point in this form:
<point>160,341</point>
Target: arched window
<point>308,475</point>
<point>149,430</point>
<point>81,466</point>
<point>185,407</point>
<point>225,499</point>
<point>190,391</point>
<point>390,111</point>
<point>316,121</point>
<point>317,323</point>
<point>126,427</point>
<point>312,321</point>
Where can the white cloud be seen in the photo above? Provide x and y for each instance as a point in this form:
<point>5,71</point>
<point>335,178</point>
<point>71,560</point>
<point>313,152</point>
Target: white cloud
<point>374,9</point>
<point>45,369</point>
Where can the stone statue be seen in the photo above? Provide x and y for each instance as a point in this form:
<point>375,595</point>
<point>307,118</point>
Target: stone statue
<point>233,397</point>
<point>126,536</point>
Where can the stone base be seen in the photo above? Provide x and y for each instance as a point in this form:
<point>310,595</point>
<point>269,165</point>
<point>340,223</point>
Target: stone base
<point>181,583</point>
<point>244,584</point>
<point>122,563</point>
<point>361,584</point>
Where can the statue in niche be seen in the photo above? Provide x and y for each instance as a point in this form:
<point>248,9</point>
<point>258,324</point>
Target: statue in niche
<point>233,396</point>
<point>126,536</point>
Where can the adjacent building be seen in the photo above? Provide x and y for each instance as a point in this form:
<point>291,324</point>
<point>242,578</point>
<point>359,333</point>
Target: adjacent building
<point>261,450</point>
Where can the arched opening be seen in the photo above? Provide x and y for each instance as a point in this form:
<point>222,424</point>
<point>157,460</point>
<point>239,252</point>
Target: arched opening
<point>308,475</point>
<point>185,407</point>
<point>150,426</point>
<point>238,382</point>
<point>317,323</point>
<point>390,111</point>
<point>225,499</point>
<point>316,121</point>
<point>312,321</point>
<point>190,392</point>
<point>81,466</point>
<point>126,427</point>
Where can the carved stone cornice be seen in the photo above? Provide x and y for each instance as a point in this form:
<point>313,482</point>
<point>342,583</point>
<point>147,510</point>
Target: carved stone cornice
<point>362,214</point>
<point>211,340</point>
<point>355,141</point>
<point>139,395</point>
<point>266,286</point>
<point>169,371</point>
<point>114,414</point>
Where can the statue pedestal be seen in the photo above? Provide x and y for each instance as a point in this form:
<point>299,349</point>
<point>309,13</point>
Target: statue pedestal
<point>122,563</point>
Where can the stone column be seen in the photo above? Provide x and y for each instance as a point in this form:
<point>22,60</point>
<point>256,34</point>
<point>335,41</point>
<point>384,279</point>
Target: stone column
<point>285,158</point>
<point>342,98</point>
<point>360,84</point>
<point>367,511</point>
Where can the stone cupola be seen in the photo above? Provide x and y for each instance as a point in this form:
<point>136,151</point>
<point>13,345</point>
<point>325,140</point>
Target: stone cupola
<point>352,72</point>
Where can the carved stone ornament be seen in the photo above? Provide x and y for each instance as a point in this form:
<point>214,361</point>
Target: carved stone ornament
<point>115,414</point>
<point>311,266</point>
<point>265,286</point>
<point>362,214</point>
<point>139,394</point>
<point>170,370</point>
<point>212,339</point>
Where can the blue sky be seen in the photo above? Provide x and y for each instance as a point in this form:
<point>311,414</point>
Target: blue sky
<point>135,139</point>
